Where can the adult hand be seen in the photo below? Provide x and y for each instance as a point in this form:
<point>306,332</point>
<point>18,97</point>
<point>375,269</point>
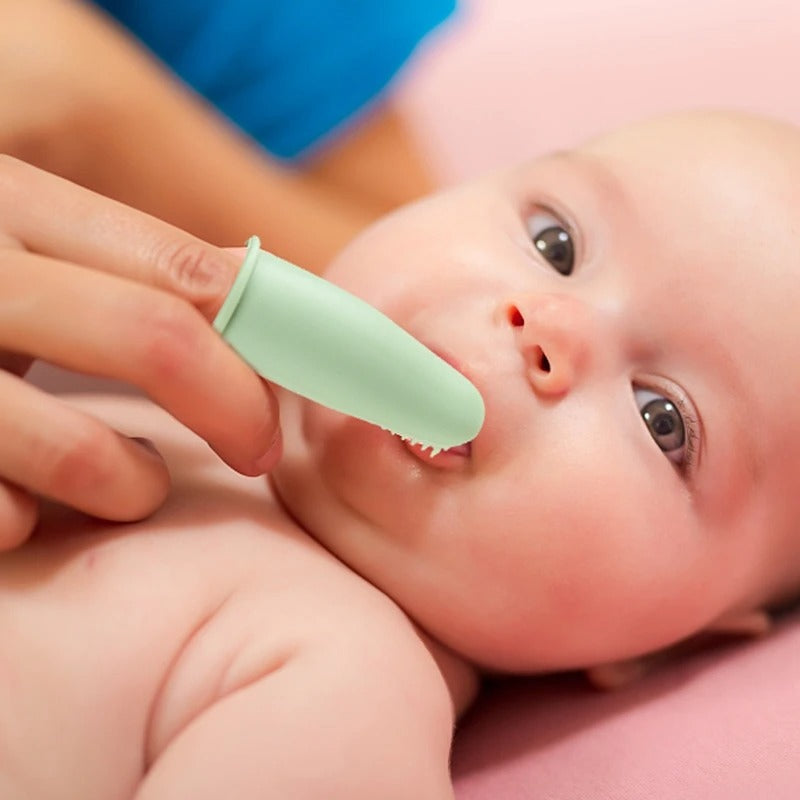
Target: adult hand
<point>97,287</point>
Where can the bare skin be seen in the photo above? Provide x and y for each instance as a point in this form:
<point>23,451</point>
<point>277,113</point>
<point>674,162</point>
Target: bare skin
<point>634,485</point>
<point>179,638</point>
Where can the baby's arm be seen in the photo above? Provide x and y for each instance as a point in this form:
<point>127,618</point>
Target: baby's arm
<point>364,715</point>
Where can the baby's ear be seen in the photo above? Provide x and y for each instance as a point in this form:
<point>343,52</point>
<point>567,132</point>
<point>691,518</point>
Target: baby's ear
<point>742,623</point>
<point>733,623</point>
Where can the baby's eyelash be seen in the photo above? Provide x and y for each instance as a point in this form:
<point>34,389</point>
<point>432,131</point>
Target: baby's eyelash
<point>692,429</point>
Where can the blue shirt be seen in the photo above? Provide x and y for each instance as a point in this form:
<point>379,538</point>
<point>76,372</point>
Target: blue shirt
<point>287,73</point>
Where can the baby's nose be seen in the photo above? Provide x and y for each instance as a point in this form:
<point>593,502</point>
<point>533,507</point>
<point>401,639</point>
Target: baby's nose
<point>555,334</point>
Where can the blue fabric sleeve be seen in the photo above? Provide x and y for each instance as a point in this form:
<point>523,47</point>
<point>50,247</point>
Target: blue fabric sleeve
<point>287,73</point>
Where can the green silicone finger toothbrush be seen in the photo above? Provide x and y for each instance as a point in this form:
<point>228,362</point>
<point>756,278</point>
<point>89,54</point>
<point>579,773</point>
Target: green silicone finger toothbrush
<point>313,338</point>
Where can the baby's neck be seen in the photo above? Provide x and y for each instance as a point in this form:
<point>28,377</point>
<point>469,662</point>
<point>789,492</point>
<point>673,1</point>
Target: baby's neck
<point>461,677</point>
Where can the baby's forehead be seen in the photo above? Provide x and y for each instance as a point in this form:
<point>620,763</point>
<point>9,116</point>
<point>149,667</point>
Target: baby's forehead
<point>710,156</point>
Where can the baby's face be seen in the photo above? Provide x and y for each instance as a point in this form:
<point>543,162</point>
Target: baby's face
<point>629,313</point>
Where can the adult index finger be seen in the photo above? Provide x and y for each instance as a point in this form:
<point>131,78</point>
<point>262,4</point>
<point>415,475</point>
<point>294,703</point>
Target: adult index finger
<point>106,325</point>
<point>51,216</point>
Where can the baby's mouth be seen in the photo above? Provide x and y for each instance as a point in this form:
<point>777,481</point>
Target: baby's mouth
<point>443,459</point>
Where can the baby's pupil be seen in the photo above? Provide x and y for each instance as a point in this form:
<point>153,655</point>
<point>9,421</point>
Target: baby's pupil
<point>665,423</point>
<point>555,244</point>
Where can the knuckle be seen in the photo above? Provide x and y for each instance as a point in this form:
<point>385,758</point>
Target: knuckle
<point>189,265</point>
<point>170,338</point>
<point>82,464</point>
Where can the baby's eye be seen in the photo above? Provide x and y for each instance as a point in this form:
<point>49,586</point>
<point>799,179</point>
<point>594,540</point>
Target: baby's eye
<point>552,240</point>
<point>664,422</point>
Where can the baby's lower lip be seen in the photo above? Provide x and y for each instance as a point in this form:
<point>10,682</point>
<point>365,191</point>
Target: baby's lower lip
<point>451,457</point>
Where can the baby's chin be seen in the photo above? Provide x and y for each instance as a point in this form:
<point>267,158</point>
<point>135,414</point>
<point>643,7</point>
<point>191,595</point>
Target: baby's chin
<point>352,486</point>
<point>325,459</point>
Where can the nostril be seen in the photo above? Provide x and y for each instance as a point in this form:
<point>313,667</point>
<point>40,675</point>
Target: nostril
<point>541,359</point>
<point>515,317</point>
<point>538,356</point>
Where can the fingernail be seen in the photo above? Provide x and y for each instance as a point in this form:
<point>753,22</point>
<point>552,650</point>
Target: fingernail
<point>214,283</point>
<point>202,273</point>
<point>273,454</point>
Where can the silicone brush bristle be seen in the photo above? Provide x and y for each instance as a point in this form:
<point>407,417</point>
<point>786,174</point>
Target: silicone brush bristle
<point>312,337</point>
<point>434,449</point>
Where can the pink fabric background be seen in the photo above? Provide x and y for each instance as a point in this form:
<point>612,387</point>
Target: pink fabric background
<point>513,78</point>
<point>721,725</point>
<point>519,77</point>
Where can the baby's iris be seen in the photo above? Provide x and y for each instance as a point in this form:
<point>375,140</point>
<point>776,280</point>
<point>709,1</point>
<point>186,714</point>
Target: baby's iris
<point>553,241</point>
<point>555,244</point>
<point>664,422</point>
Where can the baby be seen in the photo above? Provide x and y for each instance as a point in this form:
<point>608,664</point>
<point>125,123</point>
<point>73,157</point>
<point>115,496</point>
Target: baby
<point>628,312</point>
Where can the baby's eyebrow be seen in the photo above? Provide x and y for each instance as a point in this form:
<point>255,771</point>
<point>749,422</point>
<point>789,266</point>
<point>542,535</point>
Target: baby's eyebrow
<point>604,183</point>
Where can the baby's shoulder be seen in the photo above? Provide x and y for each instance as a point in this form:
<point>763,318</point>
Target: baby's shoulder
<point>303,685</point>
<point>315,631</point>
